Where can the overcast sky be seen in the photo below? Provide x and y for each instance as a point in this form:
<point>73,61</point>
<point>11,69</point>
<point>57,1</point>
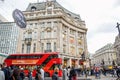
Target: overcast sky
<point>100,17</point>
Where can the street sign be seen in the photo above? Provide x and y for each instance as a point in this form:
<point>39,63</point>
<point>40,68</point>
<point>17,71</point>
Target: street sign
<point>19,18</point>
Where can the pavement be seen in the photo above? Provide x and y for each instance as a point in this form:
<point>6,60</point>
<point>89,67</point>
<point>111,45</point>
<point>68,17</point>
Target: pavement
<point>102,77</point>
<point>88,78</point>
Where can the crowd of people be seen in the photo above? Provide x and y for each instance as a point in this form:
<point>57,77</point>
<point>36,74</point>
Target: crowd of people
<point>69,73</point>
<point>72,73</point>
<point>16,73</point>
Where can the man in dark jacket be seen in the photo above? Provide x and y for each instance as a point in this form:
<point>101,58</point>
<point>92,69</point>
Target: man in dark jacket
<point>22,75</point>
<point>55,76</point>
<point>118,72</point>
<point>73,75</point>
<point>6,71</point>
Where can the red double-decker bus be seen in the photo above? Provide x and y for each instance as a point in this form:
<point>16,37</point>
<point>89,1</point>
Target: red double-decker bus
<point>48,61</point>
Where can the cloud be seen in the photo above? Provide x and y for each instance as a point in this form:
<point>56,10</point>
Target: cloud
<point>117,3</point>
<point>100,40</point>
<point>106,28</point>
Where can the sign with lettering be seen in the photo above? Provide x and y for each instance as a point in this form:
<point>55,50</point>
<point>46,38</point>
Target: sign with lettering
<point>19,18</point>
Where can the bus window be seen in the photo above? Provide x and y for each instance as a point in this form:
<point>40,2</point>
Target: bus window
<point>54,66</point>
<point>55,56</point>
<point>11,57</point>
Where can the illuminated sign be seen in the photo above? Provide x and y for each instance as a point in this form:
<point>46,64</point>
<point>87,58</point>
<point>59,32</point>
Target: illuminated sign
<point>24,61</point>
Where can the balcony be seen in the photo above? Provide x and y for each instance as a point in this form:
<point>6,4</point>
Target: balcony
<point>28,40</point>
<point>47,51</point>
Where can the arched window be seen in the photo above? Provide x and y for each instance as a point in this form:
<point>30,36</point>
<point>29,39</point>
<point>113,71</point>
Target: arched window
<point>34,48</point>
<point>33,8</point>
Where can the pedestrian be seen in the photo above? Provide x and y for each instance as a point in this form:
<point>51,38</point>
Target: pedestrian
<point>2,76</point>
<point>113,71</point>
<point>55,75</point>
<point>118,73</point>
<point>30,75</point>
<point>22,75</point>
<point>97,72</point>
<point>38,75</point>
<point>73,74</point>
<point>42,72</point>
<point>104,71</point>
<point>65,72</point>
<point>15,75</point>
<point>86,71</point>
<point>69,76</point>
<point>6,71</point>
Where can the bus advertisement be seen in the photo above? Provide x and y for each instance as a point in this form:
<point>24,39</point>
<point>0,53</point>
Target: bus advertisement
<point>48,61</point>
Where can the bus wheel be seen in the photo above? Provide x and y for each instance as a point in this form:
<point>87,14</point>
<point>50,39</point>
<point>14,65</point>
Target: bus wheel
<point>47,74</point>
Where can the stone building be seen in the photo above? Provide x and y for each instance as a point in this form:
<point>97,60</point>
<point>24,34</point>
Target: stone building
<point>117,48</point>
<point>105,56</point>
<point>52,28</point>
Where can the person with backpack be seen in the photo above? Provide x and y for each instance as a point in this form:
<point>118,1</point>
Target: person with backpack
<point>22,75</point>
<point>6,71</point>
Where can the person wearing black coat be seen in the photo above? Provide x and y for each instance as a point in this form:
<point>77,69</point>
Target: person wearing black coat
<point>55,76</point>
<point>118,72</point>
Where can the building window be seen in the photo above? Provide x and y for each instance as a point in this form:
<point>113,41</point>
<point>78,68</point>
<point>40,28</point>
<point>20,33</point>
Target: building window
<point>79,41</point>
<point>31,14</point>
<point>42,34</point>
<point>64,48</point>
<point>34,49</point>
<point>22,48</point>
<point>54,46</point>
<point>42,47</point>
<point>49,24</point>
<point>64,37</point>
<point>36,24</point>
<point>72,41</point>
<point>72,32</point>
<point>49,11</point>
<point>42,24</point>
<point>72,50</point>
<point>55,23</point>
<point>33,8</point>
<point>28,48</point>
<point>48,46</point>
<point>80,51</point>
<point>48,34</point>
<point>35,35</point>
<point>30,35</point>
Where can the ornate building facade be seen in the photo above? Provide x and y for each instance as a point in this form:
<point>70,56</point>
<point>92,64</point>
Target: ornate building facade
<point>52,28</point>
<point>117,48</point>
<point>105,56</point>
